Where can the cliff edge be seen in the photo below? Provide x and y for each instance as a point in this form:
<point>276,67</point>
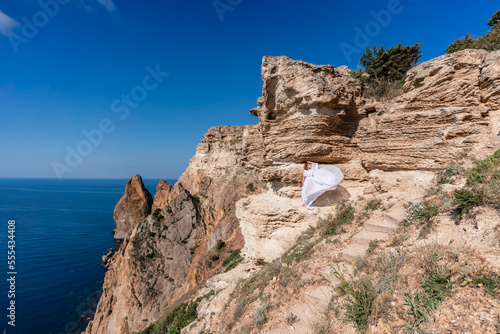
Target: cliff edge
<point>241,191</point>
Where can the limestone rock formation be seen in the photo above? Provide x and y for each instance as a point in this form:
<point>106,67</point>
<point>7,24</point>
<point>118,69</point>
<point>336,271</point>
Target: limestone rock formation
<point>133,207</point>
<point>164,258</point>
<point>270,224</point>
<point>150,268</point>
<point>451,80</point>
<point>163,191</point>
<point>311,112</point>
<point>219,175</point>
<point>489,80</point>
<point>243,184</point>
<point>444,110</point>
<point>307,111</point>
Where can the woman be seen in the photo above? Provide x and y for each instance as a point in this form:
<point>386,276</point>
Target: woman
<point>316,181</point>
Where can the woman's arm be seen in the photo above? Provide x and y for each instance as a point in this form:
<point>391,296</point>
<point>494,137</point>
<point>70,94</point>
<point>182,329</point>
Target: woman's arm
<point>303,179</point>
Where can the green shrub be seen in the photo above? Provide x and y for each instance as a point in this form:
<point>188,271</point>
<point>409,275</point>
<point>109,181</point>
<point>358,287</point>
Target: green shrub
<point>240,309</point>
<point>220,244</point>
<point>426,229</point>
<point>234,255</point>
<point>360,296</point>
<point>399,239</point>
<point>384,71</point>
<point>261,314</point>
<point>246,291</point>
<point>302,248</point>
<point>250,187</point>
<point>466,199</point>
<point>372,246</point>
<point>232,260</point>
<point>489,42</point>
<point>494,20</point>
<point>420,212</point>
<point>482,186</point>
<point>300,251</point>
<point>176,320</point>
<point>286,276</point>
<point>483,170</point>
<point>446,175</point>
<point>491,282</point>
<point>391,64</point>
<point>332,225</point>
<point>233,264</point>
<point>157,215</point>
<point>373,205</point>
<point>462,43</point>
<point>420,306</point>
<point>436,286</point>
<point>263,277</point>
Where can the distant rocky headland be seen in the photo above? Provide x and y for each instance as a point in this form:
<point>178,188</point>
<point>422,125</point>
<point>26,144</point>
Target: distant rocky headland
<point>236,212</point>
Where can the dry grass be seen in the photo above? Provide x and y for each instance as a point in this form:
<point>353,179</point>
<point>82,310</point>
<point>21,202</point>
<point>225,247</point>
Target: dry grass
<point>398,288</point>
<point>383,90</point>
<point>490,41</point>
<point>411,284</point>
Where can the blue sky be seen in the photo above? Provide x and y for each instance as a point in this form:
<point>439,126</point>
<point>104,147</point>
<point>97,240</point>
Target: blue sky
<point>150,77</point>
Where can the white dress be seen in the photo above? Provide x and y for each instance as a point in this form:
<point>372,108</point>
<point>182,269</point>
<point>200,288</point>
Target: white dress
<point>318,180</point>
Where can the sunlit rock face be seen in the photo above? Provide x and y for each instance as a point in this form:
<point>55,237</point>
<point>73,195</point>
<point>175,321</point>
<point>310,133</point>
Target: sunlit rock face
<point>243,183</point>
<point>133,207</point>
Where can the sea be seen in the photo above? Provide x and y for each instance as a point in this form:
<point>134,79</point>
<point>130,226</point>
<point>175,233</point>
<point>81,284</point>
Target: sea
<point>61,230</point>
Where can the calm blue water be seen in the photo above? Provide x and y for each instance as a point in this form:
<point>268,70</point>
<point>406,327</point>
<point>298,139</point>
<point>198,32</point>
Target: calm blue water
<point>62,230</point>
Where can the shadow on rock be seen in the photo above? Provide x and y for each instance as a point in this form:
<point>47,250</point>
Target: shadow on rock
<point>332,197</point>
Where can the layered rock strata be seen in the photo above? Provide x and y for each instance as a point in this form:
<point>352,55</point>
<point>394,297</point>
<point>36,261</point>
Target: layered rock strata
<point>307,112</point>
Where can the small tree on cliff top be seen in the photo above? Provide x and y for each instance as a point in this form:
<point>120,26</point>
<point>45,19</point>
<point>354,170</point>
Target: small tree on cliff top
<point>391,64</point>
<point>462,43</point>
<point>385,70</point>
<point>489,42</point>
<point>495,19</point>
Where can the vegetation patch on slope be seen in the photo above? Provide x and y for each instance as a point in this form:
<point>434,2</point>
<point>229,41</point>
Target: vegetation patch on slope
<point>489,42</point>
<point>179,318</point>
<point>482,186</point>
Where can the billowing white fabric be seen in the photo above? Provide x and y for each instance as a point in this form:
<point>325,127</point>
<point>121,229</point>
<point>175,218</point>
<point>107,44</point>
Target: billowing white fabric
<point>318,180</point>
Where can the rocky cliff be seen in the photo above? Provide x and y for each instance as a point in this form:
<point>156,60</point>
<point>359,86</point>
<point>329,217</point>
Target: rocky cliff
<point>165,255</point>
<point>243,185</point>
<point>133,207</point>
